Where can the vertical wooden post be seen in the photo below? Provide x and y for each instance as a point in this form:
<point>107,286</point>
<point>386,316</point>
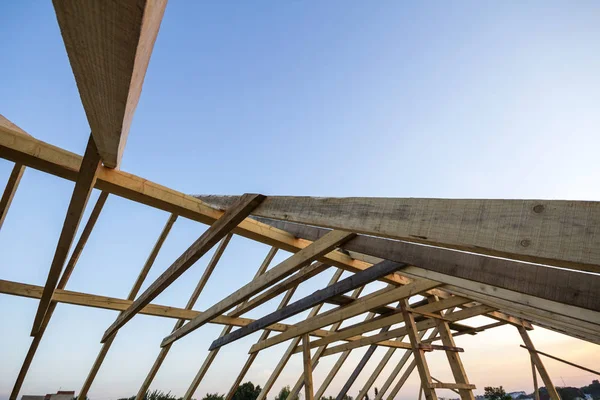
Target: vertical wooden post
<point>536,393</point>
<point>308,381</point>
<point>10,190</point>
<point>538,363</point>
<point>418,353</point>
<point>456,365</point>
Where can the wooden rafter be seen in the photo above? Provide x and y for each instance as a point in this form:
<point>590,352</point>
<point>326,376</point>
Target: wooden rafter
<point>520,229</point>
<point>109,46</point>
<point>204,243</point>
<point>284,269</point>
<point>81,193</point>
<point>132,294</point>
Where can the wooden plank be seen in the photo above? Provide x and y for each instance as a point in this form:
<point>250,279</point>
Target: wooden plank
<point>17,147</point>
<point>409,370</point>
<point>85,234</point>
<point>213,354</point>
<point>9,191</point>
<point>81,193</point>
<point>536,391</point>
<point>561,233</point>
<point>284,269</point>
<point>308,381</point>
<point>418,354</point>
<point>116,304</point>
<point>204,243</point>
<point>561,360</point>
<point>109,46</point>
<point>539,364</point>
<point>458,386</point>
<point>558,285</point>
<point>346,312</point>
<point>320,296</point>
<point>132,294</point>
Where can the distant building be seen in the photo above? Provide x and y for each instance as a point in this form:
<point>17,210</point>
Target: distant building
<point>60,395</point>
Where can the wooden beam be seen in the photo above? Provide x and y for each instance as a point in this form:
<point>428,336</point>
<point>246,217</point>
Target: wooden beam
<point>458,386</point>
<point>349,311</point>
<point>291,281</point>
<point>542,231</point>
<point>320,296</point>
<point>383,339</point>
<point>204,243</point>
<point>567,287</point>
<point>284,269</point>
<point>132,294</point>
<point>539,364</point>
<point>418,353</point>
<point>561,360</point>
<point>213,354</point>
<point>85,234</point>
<point>536,391</point>
<point>353,332</point>
<point>116,304</point>
<point>308,381</point>
<point>18,147</point>
<point>10,190</point>
<point>315,359</point>
<point>288,352</point>
<point>109,46</point>
<point>81,193</point>
<point>456,365</point>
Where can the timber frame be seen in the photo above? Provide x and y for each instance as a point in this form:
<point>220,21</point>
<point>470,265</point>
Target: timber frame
<point>522,263</point>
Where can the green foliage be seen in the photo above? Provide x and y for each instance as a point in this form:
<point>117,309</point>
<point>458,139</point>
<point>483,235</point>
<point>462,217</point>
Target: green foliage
<point>496,393</point>
<point>247,391</point>
<point>155,395</point>
<point>284,393</point>
<point>213,396</point>
<point>593,389</point>
<point>570,393</point>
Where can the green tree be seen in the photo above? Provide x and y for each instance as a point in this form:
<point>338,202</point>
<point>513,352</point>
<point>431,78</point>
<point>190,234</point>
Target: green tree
<point>496,393</point>
<point>155,395</point>
<point>284,393</point>
<point>213,396</point>
<point>247,391</point>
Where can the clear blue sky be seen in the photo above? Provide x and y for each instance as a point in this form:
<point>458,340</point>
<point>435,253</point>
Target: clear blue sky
<point>454,99</point>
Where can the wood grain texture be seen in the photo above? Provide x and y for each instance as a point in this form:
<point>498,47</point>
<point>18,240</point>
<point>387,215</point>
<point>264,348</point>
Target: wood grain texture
<point>81,193</point>
<point>360,306</point>
<point>109,44</point>
<point>320,296</point>
<point>301,259</point>
<point>17,147</point>
<point>308,379</point>
<point>564,286</point>
<point>562,233</point>
<point>204,243</point>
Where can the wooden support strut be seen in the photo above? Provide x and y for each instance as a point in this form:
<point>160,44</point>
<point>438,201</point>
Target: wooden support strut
<point>289,351</point>
<point>308,380</point>
<point>357,280</point>
<point>81,193</point>
<point>304,257</point>
<point>561,360</point>
<point>85,234</point>
<point>204,243</point>
<point>538,363</point>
